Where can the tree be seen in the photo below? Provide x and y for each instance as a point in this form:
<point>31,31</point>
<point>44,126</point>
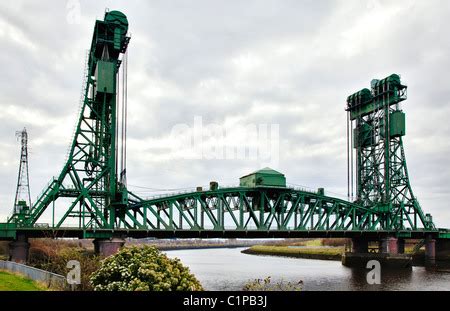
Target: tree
<point>143,269</point>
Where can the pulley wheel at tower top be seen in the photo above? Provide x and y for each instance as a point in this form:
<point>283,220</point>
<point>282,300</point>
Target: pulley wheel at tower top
<point>117,18</point>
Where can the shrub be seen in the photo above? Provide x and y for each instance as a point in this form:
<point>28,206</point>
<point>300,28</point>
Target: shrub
<point>267,285</point>
<point>143,269</point>
<point>53,255</point>
<point>4,249</point>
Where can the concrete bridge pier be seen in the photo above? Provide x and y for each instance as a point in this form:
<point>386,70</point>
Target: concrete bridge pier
<point>390,254</point>
<point>19,249</point>
<point>430,251</point>
<point>390,245</point>
<point>401,246</point>
<point>360,245</point>
<point>442,247</point>
<point>108,247</point>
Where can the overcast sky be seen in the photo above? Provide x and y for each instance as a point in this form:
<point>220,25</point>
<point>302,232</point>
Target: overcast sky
<point>287,64</point>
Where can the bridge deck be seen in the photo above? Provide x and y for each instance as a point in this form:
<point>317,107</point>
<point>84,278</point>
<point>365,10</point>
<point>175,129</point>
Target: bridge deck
<point>10,234</point>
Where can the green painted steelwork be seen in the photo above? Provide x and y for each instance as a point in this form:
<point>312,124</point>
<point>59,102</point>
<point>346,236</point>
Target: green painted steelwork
<point>8,230</point>
<point>384,93</point>
<point>363,135</point>
<point>95,195</point>
<point>382,181</point>
<point>90,178</point>
<point>397,124</point>
<point>105,76</point>
<point>260,208</point>
<point>444,234</point>
<point>239,212</point>
<point>263,177</point>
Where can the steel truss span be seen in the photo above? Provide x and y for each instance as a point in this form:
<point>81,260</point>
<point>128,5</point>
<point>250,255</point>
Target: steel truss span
<point>260,212</point>
<point>253,209</point>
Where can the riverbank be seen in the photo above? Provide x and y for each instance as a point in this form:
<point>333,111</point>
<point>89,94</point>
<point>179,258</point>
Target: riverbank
<point>194,247</point>
<point>322,253</point>
<point>16,282</point>
<point>193,244</point>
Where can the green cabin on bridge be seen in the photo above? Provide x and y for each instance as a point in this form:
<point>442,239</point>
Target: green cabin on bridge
<point>266,177</point>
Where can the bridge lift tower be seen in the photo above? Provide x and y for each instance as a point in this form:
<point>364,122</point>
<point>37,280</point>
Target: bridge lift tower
<point>375,129</point>
<point>382,182</point>
<point>92,184</point>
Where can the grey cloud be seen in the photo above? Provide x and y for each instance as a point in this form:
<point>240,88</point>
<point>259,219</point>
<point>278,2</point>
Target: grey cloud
<point>177,46</point>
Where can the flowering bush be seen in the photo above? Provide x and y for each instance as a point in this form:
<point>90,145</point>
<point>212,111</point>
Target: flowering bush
<point>143,269</point>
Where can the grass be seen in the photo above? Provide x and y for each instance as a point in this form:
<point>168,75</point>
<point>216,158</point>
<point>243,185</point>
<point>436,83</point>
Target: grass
<point>313,243</point>
<point>15,282</point>
<point>328,253</point>
<point>310,242</point>
<point>311,249</point>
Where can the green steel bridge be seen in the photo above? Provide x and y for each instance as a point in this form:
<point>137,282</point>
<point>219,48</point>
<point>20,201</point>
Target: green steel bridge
<point>260,212</point>
<point>90,198</point>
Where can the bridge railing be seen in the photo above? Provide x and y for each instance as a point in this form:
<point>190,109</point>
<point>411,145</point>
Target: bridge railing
<point>170,194</point>
<point>224,187</point>
<point>45,189</point>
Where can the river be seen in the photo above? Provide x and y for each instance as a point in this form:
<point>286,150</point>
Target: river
<point>229,269</point>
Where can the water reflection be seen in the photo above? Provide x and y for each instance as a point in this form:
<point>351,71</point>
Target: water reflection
<point>229,269</point>
<point>358,280</point>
